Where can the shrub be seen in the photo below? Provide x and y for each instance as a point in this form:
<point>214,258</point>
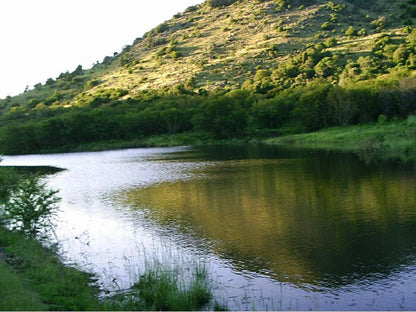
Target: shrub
<point>362,32</point>
<point>411,120</point>
<point>220,3</point>
<point>382,119</point>
<point>351,31</point>
<point>326,26</point>
<point>31,208</point>
<point>331,42</point>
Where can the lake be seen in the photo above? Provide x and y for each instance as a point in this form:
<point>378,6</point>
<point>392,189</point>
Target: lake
<point>278,229</point>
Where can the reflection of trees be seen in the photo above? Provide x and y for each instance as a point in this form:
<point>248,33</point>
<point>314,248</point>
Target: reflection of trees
<point>299,219</point>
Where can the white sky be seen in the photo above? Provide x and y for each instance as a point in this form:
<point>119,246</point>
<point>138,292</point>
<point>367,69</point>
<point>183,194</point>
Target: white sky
<point>39,39</point>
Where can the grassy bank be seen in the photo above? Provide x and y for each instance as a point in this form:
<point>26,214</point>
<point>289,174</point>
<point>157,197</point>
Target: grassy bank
<point>32,277</point>
<point>384,140</point>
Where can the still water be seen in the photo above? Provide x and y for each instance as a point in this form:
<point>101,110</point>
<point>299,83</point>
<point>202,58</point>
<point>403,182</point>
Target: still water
<point>277,229</point>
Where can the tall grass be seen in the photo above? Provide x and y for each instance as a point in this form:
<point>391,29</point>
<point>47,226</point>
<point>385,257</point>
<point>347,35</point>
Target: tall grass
<point>165,280</point>
<point>162,289</point>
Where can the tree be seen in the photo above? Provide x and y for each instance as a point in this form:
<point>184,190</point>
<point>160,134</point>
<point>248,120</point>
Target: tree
<point>341,105</point>
<point>313,109</point>
<point>351,31</point>
<point>222,116</point>
<point>31,208</point>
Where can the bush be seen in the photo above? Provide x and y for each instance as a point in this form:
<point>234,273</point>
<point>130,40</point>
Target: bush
<point>326,26</point>
<point>220,3</point>
<point>331,42</point>
<point>351,31</point>
<point>31,208</point>
<point>8,180</point>
<point>382,119</point>
<point>411,120</point>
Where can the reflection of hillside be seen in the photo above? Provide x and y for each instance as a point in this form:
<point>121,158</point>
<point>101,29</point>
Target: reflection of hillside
<point>301,220</point>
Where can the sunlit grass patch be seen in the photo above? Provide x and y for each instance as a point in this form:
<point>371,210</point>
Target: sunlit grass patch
<point>396,139</point>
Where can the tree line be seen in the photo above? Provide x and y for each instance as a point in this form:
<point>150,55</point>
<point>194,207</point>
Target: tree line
<point>221,114</point>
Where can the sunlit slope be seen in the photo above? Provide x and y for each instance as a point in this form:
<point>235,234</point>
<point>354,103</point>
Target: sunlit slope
<point>235,45</point>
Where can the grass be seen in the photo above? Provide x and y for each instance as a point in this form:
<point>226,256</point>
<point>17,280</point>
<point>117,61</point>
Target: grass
<point>219,46</point>
<point>387,140</point>
<point>15,294</point>
<point>162,288</point>
<point>32,278</point>
<point>391,140</point>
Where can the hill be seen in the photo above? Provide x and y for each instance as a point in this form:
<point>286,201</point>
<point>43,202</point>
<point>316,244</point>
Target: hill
<point>231,68</point>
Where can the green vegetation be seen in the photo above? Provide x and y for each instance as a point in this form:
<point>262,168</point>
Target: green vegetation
<point>33,278</point>
<point>164,289</point>
<point>382,140</point>
<point>30,208</point>
<point>229,69</point>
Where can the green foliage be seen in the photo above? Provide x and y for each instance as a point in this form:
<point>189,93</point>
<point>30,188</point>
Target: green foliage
<point>379,23</point>
<point>219,3</point>
<point>362,32</point>
<point>161,290</point>
<point>382,119</point>
<point>351,31</point>
<point>313,108</point>
<point>177,78</point>
<point>32,278</point>
<point>91,84</point>
<point>274,112</point>
<point>342,106</point>
<point>326,26</point>
<point>8,180</point>
<point>331,42</point>
<point>31,208</point>
<point>222,116</point>
<point>326,67</point>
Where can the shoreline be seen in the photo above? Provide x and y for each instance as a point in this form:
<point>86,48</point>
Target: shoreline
<point>395,140</point>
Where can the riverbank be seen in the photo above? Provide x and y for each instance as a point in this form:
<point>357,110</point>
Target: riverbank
<point>33,277</point>
<point>381,141</point>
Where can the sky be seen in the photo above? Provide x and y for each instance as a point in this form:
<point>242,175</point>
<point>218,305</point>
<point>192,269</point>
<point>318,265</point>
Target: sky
<point>39,39</point>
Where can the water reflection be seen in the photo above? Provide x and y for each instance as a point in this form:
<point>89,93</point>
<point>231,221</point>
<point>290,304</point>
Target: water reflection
<point>277,229</point>
<point>316,221</point>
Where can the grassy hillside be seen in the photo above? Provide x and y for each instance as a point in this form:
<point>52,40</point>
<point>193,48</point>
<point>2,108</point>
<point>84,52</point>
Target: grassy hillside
<point>210,46</point>
<point>245,65</point>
